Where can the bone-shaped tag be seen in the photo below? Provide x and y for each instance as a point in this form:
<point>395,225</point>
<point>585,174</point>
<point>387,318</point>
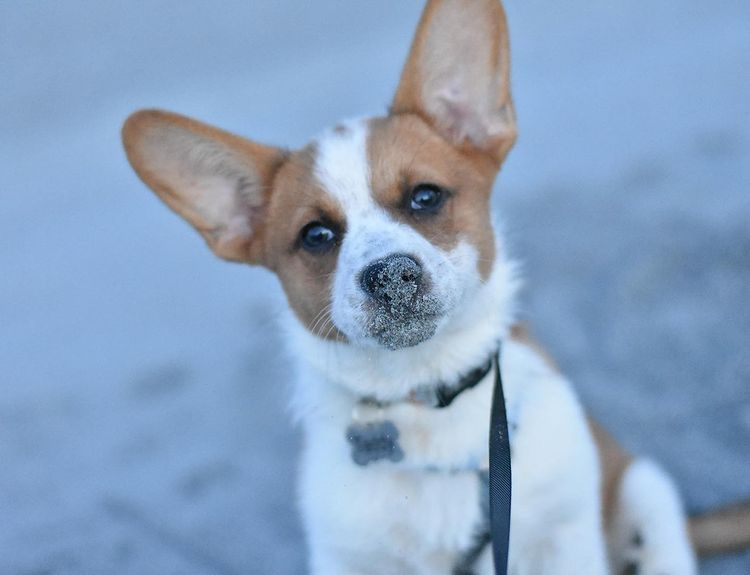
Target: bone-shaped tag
<point>372,442</point>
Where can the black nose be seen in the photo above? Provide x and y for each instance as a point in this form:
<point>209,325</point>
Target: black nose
<point>393,280</point>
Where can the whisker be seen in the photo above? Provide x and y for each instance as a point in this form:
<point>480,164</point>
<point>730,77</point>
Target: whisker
<point>322,316</point>
<point>325,326</point>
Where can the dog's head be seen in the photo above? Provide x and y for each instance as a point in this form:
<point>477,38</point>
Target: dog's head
<point>379,229</point>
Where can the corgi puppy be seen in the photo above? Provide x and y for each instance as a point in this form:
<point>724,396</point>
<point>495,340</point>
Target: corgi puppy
<point>400,292</point>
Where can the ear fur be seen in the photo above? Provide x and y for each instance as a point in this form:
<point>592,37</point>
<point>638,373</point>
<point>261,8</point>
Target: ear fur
<point>457,75</point>
<point>216,181</point>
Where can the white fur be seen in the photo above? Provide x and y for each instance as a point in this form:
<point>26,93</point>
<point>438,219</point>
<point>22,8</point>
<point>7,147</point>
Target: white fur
<point>649,527</point>
<point>555,527</point>
<point>342,167</point>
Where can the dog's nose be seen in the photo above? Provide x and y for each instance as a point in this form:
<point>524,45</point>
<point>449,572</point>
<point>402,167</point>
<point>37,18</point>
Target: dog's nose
<point>393,280</point>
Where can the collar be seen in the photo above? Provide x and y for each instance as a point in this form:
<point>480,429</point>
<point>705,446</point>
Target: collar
<point>441,395</point>
<point>446,394</point>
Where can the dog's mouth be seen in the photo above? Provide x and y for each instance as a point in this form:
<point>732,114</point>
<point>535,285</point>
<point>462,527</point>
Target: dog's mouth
<point>404,325</point>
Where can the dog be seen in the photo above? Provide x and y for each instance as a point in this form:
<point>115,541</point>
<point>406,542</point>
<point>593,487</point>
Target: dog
<point>401,292</point>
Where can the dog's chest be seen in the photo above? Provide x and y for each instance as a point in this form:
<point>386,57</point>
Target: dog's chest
<point>400,508</point>
<point>404,514</point>
<point>406,509</point>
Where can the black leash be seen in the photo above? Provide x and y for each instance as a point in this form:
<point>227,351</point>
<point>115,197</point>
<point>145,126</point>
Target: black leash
<point>500,476</point>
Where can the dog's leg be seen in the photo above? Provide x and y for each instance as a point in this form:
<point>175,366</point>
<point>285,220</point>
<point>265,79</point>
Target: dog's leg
<point>575,547</point>
<point>556,525</point>
<point>564,539</point>
<point>648,533</point>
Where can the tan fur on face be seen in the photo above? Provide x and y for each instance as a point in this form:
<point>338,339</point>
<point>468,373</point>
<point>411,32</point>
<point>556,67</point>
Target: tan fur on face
<point>403,152</point>
<point>297,200</point>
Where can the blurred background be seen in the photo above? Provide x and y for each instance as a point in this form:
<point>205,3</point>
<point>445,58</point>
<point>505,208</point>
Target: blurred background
<point>143,383</point>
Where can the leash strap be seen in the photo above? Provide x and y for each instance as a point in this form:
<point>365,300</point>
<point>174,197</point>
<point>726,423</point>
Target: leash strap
<point>500,476</point>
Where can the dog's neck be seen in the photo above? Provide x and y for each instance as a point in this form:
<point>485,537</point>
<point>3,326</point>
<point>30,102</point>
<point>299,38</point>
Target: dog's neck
<point>471,334</point>
<point>440,395</point>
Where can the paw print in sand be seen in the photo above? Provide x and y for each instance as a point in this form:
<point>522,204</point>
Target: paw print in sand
<point>372,442</point>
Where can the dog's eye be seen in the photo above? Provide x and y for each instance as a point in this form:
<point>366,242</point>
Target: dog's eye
<point>426,199</point>
<point>317,237</point>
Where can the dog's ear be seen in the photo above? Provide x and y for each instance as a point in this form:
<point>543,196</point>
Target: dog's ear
<point>457,75</point>
<point>218,182</point>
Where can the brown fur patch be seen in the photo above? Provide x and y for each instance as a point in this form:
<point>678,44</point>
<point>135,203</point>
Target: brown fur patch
<point>297,200</point>
<point>613,461</point>
<point>403,151</point>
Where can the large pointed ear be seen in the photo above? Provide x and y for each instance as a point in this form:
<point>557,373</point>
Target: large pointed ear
<point>457,75</point>
<point>218,182</point>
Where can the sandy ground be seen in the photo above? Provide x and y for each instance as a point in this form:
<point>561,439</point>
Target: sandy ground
<point>143,426</point>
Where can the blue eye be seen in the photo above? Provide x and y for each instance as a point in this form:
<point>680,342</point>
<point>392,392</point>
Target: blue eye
<point>317,237</point>
<point>426,198</point>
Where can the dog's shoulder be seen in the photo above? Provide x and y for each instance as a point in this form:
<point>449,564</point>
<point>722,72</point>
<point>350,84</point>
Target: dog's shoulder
<point>553,446</point>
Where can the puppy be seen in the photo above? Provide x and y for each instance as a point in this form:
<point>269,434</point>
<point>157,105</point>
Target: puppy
<point>401,292</point>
